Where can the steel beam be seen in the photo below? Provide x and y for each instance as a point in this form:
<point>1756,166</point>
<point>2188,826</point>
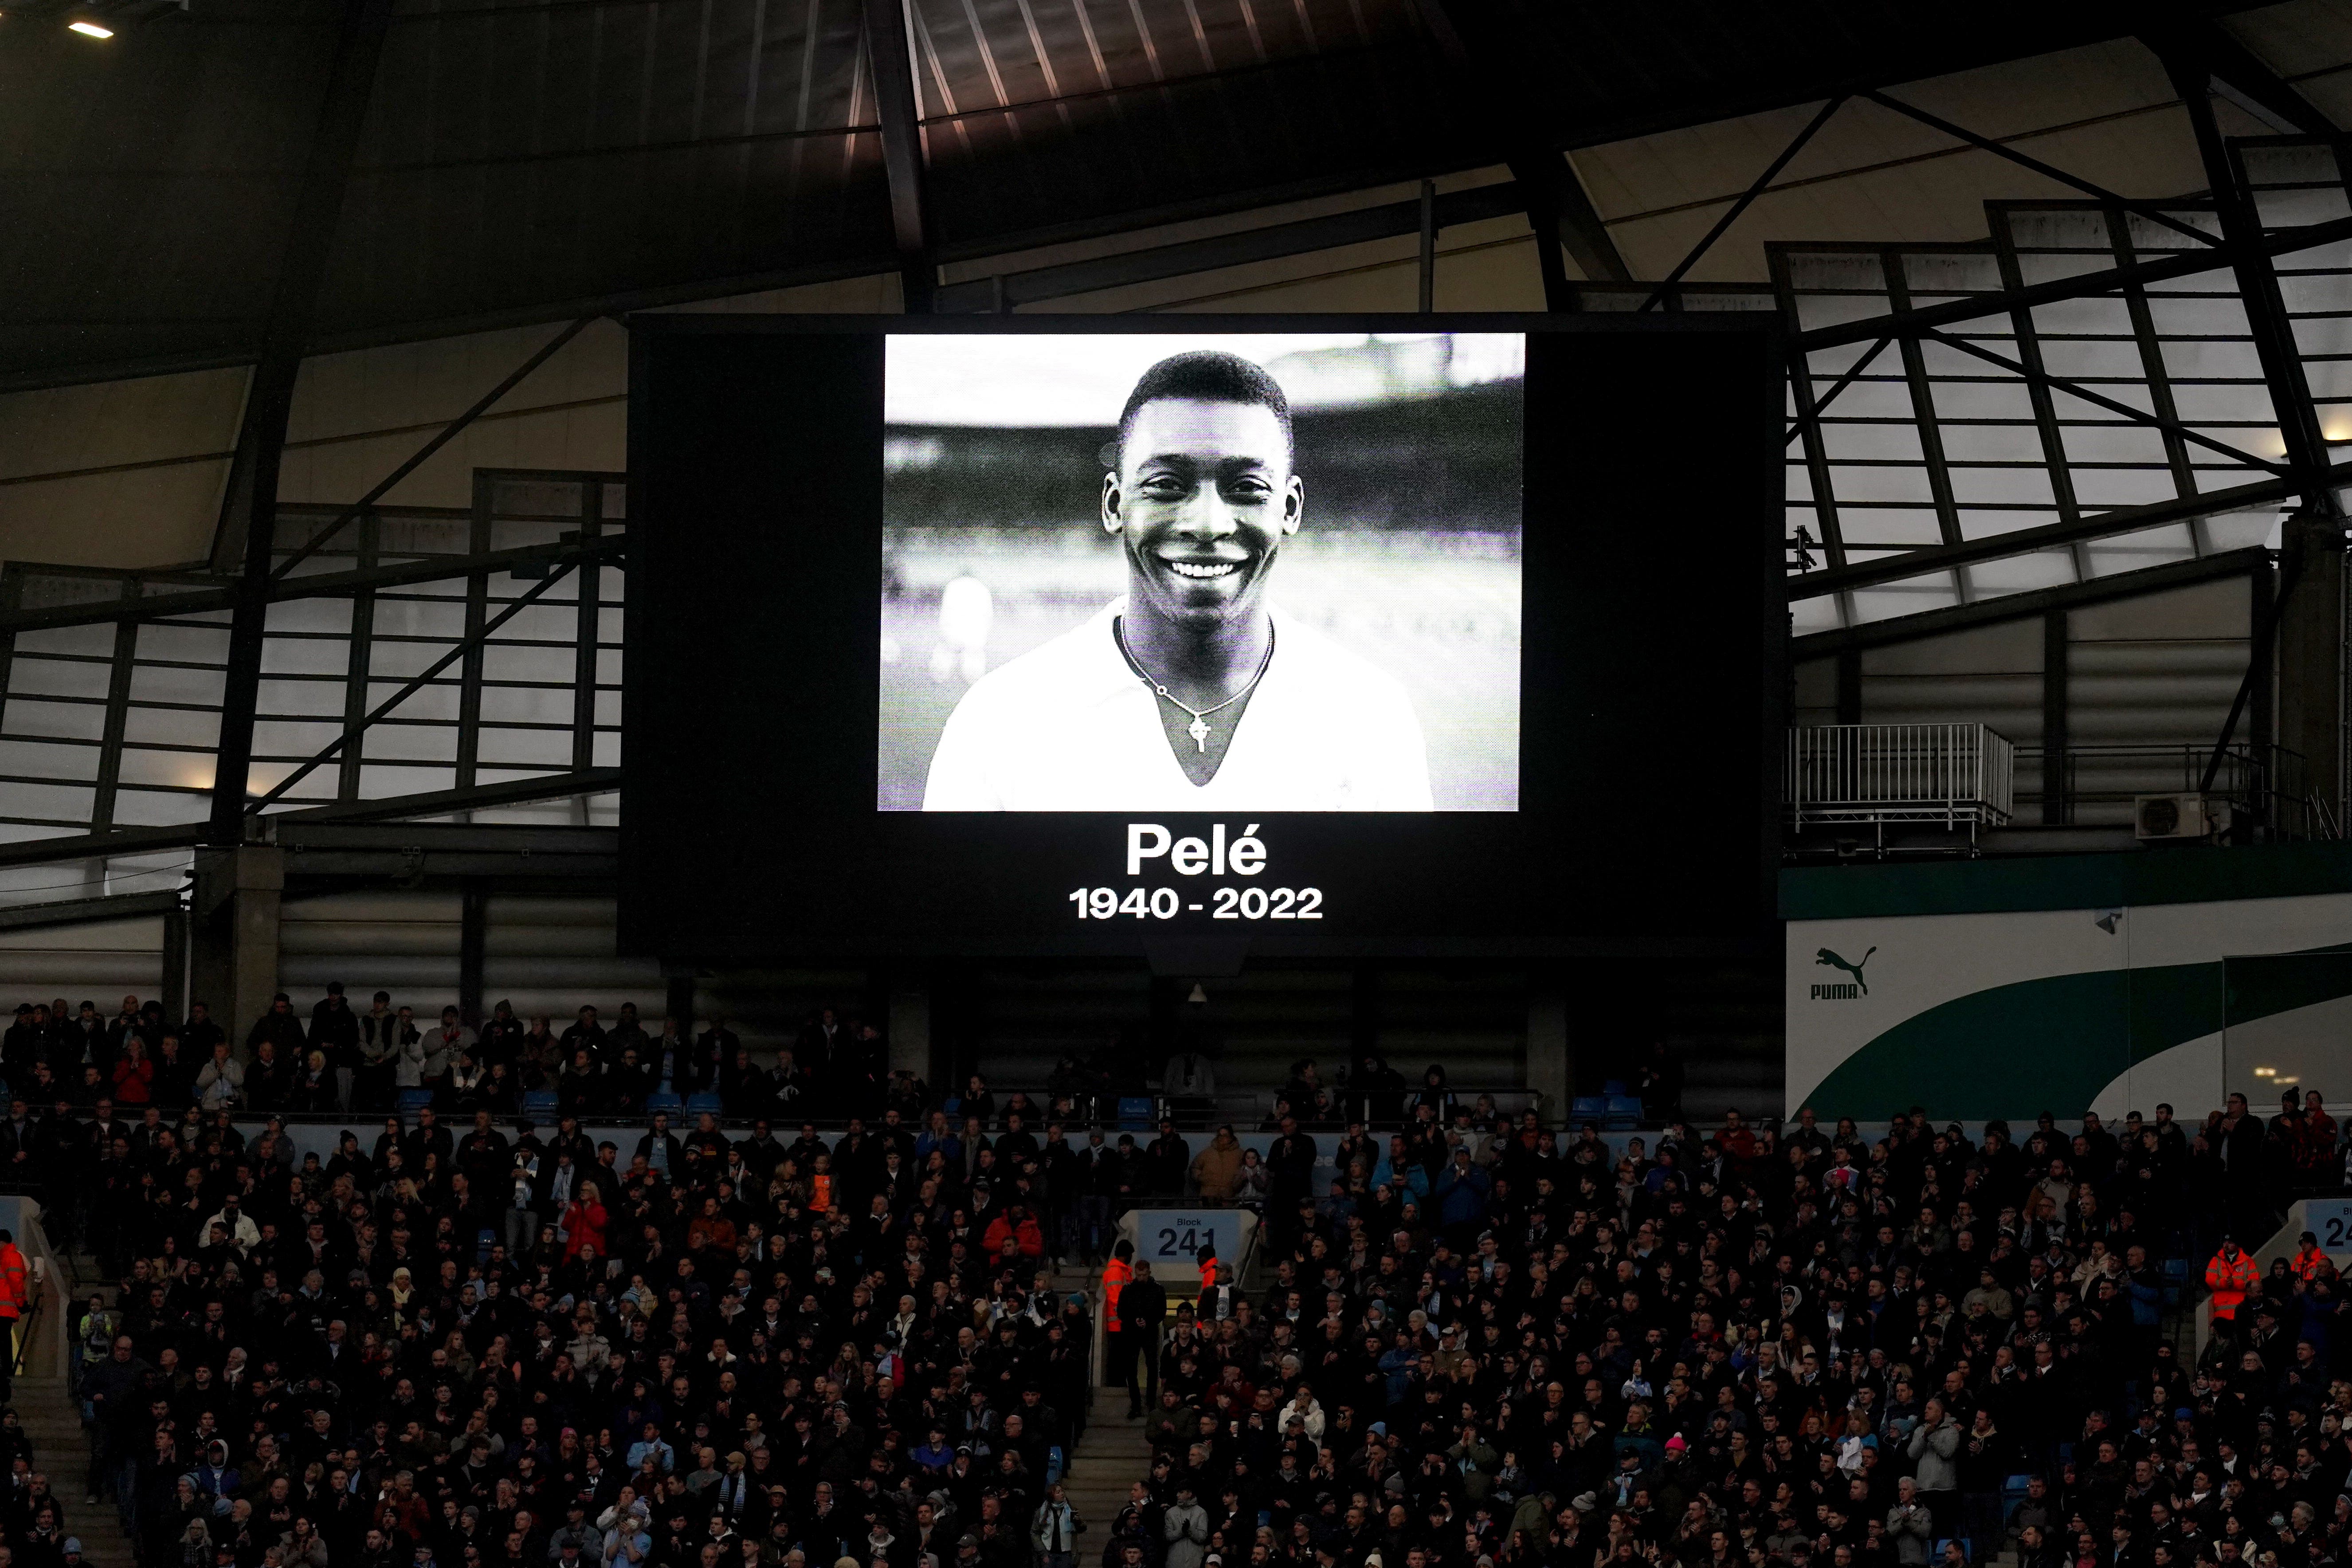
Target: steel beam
<point>520,869</point>
<point>279,824</point>
<point>2057,713</point>
<point>1808,430</point>
<point>298,837</point>
<point>590,590</point>
<point>88,911</point>
<point>331,749</point>
<point>441,438</point>
<point>2025,541</point>
<point>2148,210</point>
<point>2172,428</point>
<point>478,615</point>
<point>2026,605</point>
<point>360,663</point>
<point>2241,77</point>
<point>1747,198</point>
<point>2027,336</point>
<point>249,510</point>
<point>2189,263</point>
<point>2266,315</point>
<point>1425,291</point>
<point>1924,417</point>
<point>118,720</point>
<point>91,846</point>
<point>439,803</point>
<point>321,585</point>
<point>2153,368</point>
<point>889,52</point>
<point>1811,411</point>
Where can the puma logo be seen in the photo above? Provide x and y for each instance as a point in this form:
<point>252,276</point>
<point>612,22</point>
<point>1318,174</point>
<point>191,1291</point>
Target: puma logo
<point>1824,956</point>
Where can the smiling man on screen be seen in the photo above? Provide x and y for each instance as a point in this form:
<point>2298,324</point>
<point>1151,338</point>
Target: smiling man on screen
<point>1193,691</point>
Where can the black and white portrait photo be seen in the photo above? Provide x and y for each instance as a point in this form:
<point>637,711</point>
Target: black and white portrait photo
<point>1272,572</point>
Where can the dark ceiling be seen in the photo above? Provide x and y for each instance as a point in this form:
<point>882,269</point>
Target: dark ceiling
<point>529,159</point>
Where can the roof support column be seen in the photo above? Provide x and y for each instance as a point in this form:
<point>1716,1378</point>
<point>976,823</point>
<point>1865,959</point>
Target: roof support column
<point>2310,618</point>
<point>1493,76</point>
<point>2309,612</point>
<point>889,51</point>
<point>249,509</point>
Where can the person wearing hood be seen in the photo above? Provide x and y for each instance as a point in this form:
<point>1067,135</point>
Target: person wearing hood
<point>1218,1166</point>
<point>882,1545</point>
<point>213,1478</point>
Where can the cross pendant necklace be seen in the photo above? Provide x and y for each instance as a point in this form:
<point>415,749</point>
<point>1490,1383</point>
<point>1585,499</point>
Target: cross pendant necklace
<point>1199,728</point>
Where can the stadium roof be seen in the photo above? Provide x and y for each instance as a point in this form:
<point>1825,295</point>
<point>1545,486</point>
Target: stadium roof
<point>520,160</point>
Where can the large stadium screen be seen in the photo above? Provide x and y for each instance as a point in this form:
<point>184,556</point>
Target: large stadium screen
<point>1320,638</point>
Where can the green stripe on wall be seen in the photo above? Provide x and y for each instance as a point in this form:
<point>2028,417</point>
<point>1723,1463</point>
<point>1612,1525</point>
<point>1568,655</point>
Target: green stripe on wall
<point>2068,1035</point>
<point>2181,875</point>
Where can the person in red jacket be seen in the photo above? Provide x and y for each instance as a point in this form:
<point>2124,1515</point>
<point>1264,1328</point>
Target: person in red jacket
<point>1015,1231</point>
<point>135,1075</point>
<point>583,1222</point>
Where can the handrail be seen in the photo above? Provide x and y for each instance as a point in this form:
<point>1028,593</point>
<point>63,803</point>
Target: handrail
<point>28,1328</point>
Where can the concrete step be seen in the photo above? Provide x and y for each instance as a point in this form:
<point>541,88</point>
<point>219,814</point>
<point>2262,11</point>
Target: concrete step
<point>1114,1453</point>
<point>51,1417</point>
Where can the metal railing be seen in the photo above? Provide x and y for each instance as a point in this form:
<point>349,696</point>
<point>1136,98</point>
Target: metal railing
<point>1961,775</point>
<point>2263,785</point>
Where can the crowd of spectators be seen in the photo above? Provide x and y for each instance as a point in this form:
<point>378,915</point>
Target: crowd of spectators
<point>1767,1350</point>
<point>344,1059</point>
<point>464,1334</point>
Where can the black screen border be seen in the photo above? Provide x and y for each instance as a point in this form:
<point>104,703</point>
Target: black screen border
<point>1667,846</point>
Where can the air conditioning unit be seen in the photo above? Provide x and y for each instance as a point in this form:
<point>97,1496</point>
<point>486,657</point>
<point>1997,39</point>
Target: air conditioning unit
<point>2190,815</point>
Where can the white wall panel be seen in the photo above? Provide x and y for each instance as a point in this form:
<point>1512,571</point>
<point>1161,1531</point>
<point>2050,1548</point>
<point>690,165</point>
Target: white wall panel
<point>101,961</point>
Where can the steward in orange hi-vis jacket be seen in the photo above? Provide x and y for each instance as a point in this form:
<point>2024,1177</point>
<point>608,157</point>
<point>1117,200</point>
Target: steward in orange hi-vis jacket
<point>2231,1276</point>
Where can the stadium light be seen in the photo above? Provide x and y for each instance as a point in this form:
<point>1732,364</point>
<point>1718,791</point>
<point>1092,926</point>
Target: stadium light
<point>89,30</point>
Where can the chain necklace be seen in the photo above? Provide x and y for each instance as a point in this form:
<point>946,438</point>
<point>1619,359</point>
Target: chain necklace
<point>1199,728</point>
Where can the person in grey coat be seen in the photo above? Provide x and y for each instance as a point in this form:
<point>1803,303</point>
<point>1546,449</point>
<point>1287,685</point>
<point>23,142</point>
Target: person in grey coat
<point>1909,1525</point>
<point>1935,1449</point>
<point>1186,1529</point>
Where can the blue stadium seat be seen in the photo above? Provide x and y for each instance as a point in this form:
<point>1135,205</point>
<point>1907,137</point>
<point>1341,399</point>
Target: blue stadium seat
<point>699,1103</point>
<point>663,1099</point>
<point>415,1100</point>
<point>1587,1107</point>
<point>1623,1112</point>
<point>1615,1086</point>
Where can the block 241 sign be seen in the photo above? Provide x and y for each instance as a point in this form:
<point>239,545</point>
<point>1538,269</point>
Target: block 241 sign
<point>1175,1239</point>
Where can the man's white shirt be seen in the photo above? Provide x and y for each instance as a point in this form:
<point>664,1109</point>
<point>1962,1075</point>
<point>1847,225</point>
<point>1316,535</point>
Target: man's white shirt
<point>1069,727</point>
